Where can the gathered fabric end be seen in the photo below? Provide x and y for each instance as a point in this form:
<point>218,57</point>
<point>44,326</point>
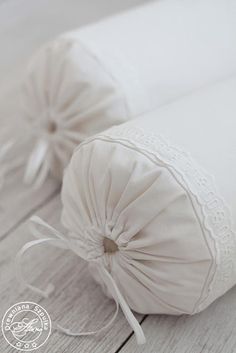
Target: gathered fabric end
<point>48,234</point>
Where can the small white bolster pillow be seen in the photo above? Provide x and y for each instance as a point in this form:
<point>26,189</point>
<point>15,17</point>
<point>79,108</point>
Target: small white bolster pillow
<point>160,219</point>
<point>101,75</point>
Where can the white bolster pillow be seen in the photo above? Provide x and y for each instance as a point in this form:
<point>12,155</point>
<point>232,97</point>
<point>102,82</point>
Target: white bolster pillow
<point>101,75</point>
<point>160,218</point>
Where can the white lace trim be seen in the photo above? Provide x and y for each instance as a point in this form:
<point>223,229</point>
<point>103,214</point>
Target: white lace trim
<point>216,216</point>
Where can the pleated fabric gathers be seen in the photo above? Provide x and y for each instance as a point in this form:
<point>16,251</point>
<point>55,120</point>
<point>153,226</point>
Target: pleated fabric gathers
<point>156,222</point>
<point>104,74</point>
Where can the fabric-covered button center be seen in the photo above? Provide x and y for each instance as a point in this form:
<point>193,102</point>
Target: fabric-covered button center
<point>109,245</point>
<point>51,127</point>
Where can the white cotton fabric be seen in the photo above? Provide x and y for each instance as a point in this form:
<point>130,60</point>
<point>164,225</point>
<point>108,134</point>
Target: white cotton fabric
<point>171,211</point>
<point>104,74</point>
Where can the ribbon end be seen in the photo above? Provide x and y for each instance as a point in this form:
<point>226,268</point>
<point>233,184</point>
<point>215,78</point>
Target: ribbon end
<point>62,329</point>
<point>37,167</point>
<point>141,339</point>
<point>49,290</point>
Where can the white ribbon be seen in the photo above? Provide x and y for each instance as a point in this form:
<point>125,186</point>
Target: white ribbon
<point>59,240</point>
<point>3,152</point>
<point>12,156</point>
<point>37,168</point>
<point>8,166</point>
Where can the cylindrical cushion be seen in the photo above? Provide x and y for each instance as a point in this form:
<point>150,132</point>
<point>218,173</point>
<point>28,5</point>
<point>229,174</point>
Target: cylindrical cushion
<point>104,74</point>
<point>166,208</point>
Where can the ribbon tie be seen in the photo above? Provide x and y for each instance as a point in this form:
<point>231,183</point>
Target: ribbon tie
<point>59,240</point>
<point>37,167</point>
<point>13,156</point>
<point>8,164</point>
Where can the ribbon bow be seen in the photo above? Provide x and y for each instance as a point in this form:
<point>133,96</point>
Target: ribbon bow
<point>59,240</point>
